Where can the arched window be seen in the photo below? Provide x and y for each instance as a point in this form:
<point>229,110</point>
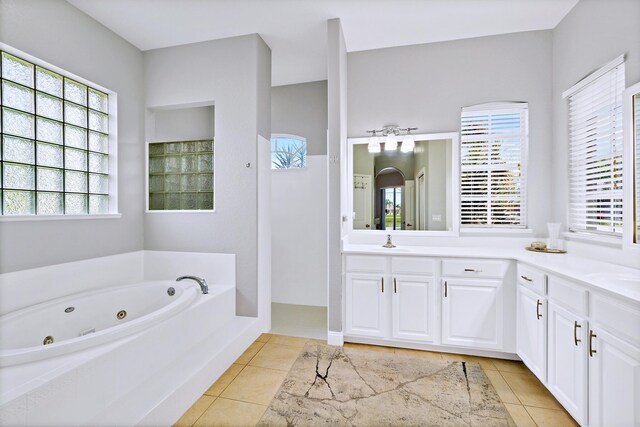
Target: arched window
<point>288,152</point>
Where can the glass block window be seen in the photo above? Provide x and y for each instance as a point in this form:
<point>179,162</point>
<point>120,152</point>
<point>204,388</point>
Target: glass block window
<point>54,132</point>
<point>181,175</point>
<point>288,152</point>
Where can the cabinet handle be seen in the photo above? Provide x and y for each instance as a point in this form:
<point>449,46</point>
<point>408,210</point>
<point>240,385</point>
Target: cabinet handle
<point>445,288</point>
<point>472,270</point>
<point>538,305</point>
<point>382,283</point>
<point>395,286</point>
<point>526,278</point>
<point>576,325</point>
<point>591,337</point>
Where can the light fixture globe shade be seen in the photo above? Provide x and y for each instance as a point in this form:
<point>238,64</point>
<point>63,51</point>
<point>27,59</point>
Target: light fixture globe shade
<point>408,144</point>
<point>391,143</point>
<point>374,145</point>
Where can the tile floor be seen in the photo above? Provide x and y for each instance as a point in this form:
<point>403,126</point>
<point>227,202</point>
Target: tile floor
<point>243,392</point>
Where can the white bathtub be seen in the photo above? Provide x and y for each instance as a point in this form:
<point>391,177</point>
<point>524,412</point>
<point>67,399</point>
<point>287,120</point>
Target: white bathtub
<point>146,369</point>
<point>87,319</point>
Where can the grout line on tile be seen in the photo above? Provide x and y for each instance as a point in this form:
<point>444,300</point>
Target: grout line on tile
<point>526,407</point>
<point>262,367</point>
<point>227,386</point>
<point>246,401</point>
<point>205,410</point>
<point>508,385</point>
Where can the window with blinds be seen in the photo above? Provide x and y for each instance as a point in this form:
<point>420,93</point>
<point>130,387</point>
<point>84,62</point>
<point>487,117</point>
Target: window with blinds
<point>595,152</point>
<point>494,140</point>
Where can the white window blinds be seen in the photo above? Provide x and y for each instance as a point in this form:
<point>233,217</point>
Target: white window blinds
<point>494,139</point>
<point>595,153</point>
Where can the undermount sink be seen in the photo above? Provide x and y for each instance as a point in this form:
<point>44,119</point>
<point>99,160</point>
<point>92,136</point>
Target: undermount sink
<point>616,278</point>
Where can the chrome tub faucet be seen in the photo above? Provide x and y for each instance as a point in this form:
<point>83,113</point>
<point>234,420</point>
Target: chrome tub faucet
<point>203,283</point>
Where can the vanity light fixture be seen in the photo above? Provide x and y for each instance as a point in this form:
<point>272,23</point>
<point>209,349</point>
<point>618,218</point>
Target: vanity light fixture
<point>408,143</point>
<point>391,142</point>
<point>374,143</point>
<point>391,134</point>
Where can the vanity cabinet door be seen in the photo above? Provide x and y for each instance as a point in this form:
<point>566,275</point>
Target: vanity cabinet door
<point>472,313</point>
<point>567,375</point>
<point>532,331</point>
<point>414,315</point>
<point>366,307</point>
<point>614,381</point>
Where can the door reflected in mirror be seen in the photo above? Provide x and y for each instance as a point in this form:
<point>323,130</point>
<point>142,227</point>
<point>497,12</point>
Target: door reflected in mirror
<point>396,190</point>
<point>636,155</point>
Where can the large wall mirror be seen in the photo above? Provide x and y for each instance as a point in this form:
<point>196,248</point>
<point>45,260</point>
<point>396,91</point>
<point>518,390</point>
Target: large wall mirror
<point>405,190</point>
<point>632,164</point>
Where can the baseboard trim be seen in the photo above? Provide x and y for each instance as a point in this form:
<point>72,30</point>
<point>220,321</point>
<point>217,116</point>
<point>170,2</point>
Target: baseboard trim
<point>438,348</point>
<point>335,338</point>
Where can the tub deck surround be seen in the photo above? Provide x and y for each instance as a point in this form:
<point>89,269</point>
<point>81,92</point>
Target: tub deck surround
<point>25,288</point>
<point>594,274</point>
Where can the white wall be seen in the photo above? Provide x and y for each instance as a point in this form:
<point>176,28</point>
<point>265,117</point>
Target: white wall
<point>425,86</point>
<point>233,75</point>
<point>301,109</point>
<point>58,33</point>
<point>592,34</point>
<point>299,198</point>
<point>299,234</point>
<point>182,124</point>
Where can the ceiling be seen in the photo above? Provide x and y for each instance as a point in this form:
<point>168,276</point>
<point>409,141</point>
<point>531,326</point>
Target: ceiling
<point>296,30</point>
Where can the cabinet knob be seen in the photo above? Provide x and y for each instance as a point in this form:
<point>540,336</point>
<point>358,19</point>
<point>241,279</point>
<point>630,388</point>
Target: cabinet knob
<point>382,283</point>
<point>538,305</point>
<point>395,286</point>
<point>526,278</point>
<point>445,288</point>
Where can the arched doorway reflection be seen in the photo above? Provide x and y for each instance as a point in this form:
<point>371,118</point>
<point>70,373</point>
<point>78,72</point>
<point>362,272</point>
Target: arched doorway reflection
<point>389,199</point>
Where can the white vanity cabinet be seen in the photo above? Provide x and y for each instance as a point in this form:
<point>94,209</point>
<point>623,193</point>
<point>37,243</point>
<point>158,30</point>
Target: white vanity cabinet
<point>593,354</point>
<point>417,299</point>
<point>532,320</point>
<point>366,302</point>
<point>473,312</point>
<point>613,349</point>
<point>391,298</point>
<point>567,355</point>
<point>414,310</point>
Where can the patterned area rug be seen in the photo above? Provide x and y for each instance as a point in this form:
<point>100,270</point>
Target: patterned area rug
<point>354,387</point>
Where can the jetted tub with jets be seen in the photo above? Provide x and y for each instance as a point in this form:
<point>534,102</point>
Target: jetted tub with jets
<point>84,320</point>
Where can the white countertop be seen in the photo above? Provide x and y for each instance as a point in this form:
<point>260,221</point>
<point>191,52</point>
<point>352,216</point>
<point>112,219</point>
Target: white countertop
<point>616,279</point>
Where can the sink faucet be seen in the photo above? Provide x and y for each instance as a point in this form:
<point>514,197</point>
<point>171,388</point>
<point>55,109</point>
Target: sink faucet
<point>389,244</point>
<point>201,282</point>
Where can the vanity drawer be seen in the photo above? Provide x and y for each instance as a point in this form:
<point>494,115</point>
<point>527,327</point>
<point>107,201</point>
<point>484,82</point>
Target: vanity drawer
<point>620,317</point>
<point>532,278</point>
<point>413,265</point>
<point>568,294</point>
<point>363,263</point>
<point>470,267</point>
